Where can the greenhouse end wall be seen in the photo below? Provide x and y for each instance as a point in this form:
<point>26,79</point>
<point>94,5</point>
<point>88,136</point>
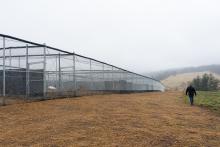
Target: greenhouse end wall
<point>36,70</point>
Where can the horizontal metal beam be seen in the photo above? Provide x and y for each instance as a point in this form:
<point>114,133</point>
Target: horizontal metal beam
<point>20,47</point>
<point>12,66</point>
<point>31,63</point>
<point>37,55</point>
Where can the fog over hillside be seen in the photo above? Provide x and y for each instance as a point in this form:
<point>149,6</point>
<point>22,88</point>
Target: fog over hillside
<point>161,75</point>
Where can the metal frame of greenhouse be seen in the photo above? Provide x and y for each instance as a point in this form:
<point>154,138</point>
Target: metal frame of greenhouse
<point>29,69</point>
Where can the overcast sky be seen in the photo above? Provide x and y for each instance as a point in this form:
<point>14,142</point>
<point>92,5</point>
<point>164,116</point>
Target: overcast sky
<point>138,35</point>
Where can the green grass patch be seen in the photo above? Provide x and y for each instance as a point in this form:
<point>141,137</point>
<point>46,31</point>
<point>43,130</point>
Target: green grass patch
<point>208,99</point>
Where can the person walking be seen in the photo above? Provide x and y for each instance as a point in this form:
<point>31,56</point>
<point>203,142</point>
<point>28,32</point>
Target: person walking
<point>191,92</point>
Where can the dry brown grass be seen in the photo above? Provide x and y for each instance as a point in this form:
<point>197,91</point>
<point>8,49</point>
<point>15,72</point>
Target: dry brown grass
<point>146,119</point>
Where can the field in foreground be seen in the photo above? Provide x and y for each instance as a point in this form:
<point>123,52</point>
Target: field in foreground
<point>146,119</point>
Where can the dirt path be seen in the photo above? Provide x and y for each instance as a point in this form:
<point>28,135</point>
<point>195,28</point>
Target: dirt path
<point>147,119</point>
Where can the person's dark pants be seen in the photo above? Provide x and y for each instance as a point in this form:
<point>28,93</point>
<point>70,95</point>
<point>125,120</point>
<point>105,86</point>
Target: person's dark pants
<point>191,100</point>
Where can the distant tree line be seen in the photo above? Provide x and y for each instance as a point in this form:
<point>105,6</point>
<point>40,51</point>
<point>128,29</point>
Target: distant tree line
<point>161,75</point>
<point>205,83</point>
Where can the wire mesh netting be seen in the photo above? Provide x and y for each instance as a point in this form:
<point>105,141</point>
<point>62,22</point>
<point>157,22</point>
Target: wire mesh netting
<point>36,70</point>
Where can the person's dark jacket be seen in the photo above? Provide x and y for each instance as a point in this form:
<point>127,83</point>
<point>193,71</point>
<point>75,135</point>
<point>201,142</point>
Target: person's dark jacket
<point>190,91</point>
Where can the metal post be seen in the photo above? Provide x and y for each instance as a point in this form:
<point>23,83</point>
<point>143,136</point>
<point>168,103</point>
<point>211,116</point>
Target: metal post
<point>56,71</point>
<point>3,80</point>
<point>126,78</point>
<point>103,70</point>
<point>112,79</point>
<point>44,73</point>
<point>90,73</point>
<point>74,74</point>
<point>103,76</point>
<point>120,81</point>
<point>59,73</point>
<point>137,82</point>
<point>153,85</point>
<point>19,62</point>
<point>27,74</point>
<point>134,82</point>
<point>10,57</point>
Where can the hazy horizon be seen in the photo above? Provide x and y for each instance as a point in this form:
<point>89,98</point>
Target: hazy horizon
<point>140,36</point>
<point>180,68</point>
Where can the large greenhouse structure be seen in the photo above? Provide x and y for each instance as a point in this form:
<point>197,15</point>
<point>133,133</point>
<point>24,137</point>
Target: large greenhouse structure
<point>29,69</point>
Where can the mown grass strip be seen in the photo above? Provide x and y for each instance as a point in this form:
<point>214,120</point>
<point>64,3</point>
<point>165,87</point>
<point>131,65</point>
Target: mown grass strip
<point>208,99</point>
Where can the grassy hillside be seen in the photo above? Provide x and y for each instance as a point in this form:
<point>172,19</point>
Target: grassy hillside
<point>180,81</point>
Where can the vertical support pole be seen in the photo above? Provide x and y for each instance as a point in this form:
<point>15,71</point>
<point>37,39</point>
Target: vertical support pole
<point>10,57</point>
<point>103,71</point>
<point>145,85</point>
<point>126,78</point>
<point>112,79</point>
<point>59,73</point>
<point>3,76</point>
<point>120,81</point>
<point>141,82</point>
<point>153,85</point>
<point>90,73</point>
<point>56,73</point>
<point>44,73</point>
<point>134,83</point>
<point>19,62</point>
<point>74,74</point>
<point>27,74</point>
<point>103,76</point>
<point>137,82</point>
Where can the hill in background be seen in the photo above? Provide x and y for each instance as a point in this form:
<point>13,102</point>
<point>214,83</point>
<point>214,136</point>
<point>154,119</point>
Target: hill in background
<point>178,79</point>
<point>161,75</point>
